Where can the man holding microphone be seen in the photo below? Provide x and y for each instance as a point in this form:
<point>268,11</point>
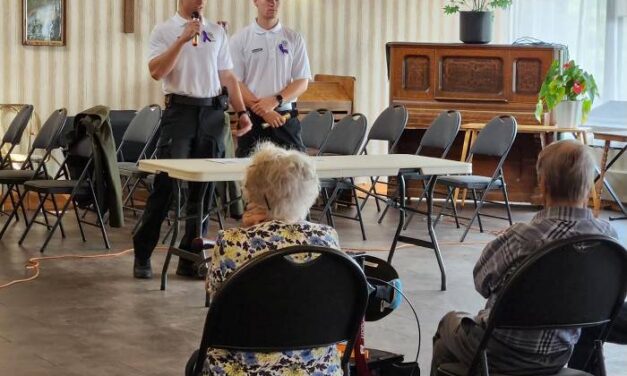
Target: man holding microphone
<point>191,57</point>
<point>272,66</point>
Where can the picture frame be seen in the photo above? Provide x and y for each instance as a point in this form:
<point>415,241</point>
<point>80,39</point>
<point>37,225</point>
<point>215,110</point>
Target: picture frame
<point>43,22</point>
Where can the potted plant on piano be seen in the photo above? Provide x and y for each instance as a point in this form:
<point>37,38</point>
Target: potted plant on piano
<point>475,18</point>
<point>569,92</point>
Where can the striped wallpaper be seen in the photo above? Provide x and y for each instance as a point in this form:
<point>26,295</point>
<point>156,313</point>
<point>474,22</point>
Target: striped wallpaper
<point>102,65</point>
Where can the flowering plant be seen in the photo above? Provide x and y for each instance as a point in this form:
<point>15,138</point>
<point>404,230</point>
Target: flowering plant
<point>455,6</point>
<point>570,83</point>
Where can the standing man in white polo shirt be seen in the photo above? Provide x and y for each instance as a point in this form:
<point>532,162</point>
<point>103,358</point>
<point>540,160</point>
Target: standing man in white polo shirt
<point>272,66</point>
<point>191,57</point>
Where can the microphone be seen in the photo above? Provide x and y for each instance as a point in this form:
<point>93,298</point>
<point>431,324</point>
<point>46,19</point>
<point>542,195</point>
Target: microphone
<point>195,16</point>
<point>286,117</point>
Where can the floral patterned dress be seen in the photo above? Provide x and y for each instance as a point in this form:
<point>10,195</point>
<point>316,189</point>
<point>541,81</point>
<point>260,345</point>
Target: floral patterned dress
<point>236,246</point>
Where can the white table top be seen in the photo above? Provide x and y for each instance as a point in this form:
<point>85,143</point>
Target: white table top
<point>215,170</point>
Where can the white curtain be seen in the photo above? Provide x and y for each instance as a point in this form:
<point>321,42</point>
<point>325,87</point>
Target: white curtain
<point>593,30</point>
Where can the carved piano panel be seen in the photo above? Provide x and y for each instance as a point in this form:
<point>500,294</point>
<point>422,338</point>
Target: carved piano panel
<point>481,81</point>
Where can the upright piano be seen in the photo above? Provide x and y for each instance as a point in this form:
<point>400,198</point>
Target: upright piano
<point>480,81</point>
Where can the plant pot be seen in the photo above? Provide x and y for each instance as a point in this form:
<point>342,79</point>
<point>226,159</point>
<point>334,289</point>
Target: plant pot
<point>568,114</point>
<point>475,27</point>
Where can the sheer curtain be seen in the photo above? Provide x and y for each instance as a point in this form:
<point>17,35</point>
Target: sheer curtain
<point>593,30</point>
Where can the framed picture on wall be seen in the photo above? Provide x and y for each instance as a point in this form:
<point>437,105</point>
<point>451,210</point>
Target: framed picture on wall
<point>43,22</point>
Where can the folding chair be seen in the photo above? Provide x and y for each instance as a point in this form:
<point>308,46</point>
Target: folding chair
<point>495,140</point>
<point>13,136</point>
<point>297,305</point>
<point>345,138</point>
<point>389,126</point>
<point>315,129</point>
<point>438,138</point>
<point>79,188</point>
<point>140,132</point>
<point>558,287</point>
<point>34,166</point>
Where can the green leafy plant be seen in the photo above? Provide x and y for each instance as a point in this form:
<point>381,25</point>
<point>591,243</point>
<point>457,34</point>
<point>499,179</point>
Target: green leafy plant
<point>567,82</point>
<point>455,6</point>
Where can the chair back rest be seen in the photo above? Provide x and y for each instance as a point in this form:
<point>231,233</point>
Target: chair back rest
<point>274,303</point>
<point>13,135</point>
<point>496,138</point>
<point>50,133</point>
<point>389,125</point>
<point>143,126</point>
<point>574,282</point>
<point>315,128</point>
<point>346,136</point>
<point>442,132</point>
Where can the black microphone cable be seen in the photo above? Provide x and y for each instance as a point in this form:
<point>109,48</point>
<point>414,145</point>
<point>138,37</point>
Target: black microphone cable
<point>412,309</point>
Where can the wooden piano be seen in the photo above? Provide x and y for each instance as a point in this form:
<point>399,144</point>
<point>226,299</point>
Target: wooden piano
<point>480,81</point>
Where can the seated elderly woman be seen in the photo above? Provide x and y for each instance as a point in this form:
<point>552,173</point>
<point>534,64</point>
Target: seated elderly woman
<point>280,186</point>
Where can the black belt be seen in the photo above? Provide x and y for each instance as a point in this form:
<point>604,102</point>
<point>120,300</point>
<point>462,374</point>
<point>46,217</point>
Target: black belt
<point>191,101</point>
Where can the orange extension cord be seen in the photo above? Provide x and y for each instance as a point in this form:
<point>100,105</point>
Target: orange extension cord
<point>34,262</point>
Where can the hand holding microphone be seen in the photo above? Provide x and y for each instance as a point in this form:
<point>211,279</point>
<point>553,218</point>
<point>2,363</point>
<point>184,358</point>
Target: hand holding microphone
<point>274,119</point>
<point>195,17</point>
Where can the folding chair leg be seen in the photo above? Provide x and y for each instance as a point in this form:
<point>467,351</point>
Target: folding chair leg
<point>361,221</point>
<point>20,203</point>
<point>385,211</point>
<point>13,214</point>
<point>411,215</point>
<point>454,206</point>
<point>448,198</point>
<point>44,213</point>
<point>29,224</point>
<point>218,211</point>
<point>56,224</point>
<point>327,207</point>
<point>78,220</point>
<point>13,203</point>
<point>474,198</point>
<point>99,214</point>
<point>507,207</point>
<point>479,205</point>
<point>56,211</point>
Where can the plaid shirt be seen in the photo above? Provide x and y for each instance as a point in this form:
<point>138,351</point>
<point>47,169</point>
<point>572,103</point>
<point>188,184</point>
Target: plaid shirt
<point>502,256</point>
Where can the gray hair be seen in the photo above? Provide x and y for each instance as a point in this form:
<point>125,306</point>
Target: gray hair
<point>284,180</point>
<point>567,169</point>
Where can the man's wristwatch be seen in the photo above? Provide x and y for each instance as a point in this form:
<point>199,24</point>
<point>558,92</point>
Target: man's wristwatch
<point>240,113</point>
<point>279,98</point>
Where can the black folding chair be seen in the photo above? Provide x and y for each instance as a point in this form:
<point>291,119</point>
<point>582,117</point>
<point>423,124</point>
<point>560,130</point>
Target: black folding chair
<point>78,187</point>
<point>13,136</point>
<point>569,283</point>
<point>140,133</point>
<point>315,129</point>
<point>34,166</point>
<point>389,126</point>
<point>273,304</point>
<point>438,138</point>
<point>345,138</point>
<point>495,140</point>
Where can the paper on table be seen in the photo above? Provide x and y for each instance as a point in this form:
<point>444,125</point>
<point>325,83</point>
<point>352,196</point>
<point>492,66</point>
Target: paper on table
<point>226,160</point>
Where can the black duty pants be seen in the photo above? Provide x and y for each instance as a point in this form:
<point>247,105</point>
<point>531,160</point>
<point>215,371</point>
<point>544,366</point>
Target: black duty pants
<point>288,136</point>
<point>186,132</point>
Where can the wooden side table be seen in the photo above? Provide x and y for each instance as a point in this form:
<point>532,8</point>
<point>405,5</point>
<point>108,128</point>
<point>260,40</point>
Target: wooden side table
<point>608,137</point>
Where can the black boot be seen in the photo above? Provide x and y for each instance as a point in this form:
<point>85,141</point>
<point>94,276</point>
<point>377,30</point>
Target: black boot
<point>142,269</point>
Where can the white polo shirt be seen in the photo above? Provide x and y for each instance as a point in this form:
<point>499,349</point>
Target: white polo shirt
<point>195,73</point>
<point>266,61</point>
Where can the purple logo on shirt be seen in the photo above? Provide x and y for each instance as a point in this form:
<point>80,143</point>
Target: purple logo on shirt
<point>207,37</point>
<point>283,47</point>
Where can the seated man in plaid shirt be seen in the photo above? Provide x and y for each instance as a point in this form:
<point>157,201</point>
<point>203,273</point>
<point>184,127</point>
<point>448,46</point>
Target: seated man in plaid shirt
<point>566,173</point>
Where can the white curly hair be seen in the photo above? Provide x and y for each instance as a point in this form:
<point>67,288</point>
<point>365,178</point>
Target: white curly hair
<point>283,180</point>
